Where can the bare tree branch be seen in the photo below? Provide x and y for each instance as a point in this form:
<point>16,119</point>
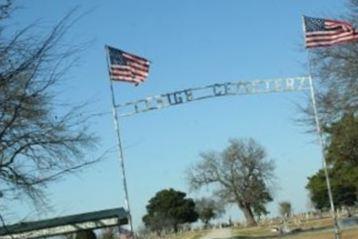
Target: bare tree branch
<point>240,174</point>
<point>39,141</point>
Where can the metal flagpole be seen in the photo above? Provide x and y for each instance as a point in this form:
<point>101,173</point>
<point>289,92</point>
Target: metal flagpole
<point>120,148</point>
<point>321,142</point>
<point>324,162</point>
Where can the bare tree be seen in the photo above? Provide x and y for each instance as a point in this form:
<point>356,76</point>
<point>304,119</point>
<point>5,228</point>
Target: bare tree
<point>241,174</point>
<point>39,139</point>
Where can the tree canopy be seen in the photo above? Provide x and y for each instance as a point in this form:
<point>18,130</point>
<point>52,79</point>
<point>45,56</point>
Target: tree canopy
<point>344,194</point>
<point>241,174</point>
<point>343,145</point>
<point>342,158</point>
<point>168,209</point>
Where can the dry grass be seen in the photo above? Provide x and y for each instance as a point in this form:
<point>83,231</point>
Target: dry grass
<point>346,234</point>
<point>312,229</point>
<point>317,223</point>
<point>253,232</point>
<point>317,229</point>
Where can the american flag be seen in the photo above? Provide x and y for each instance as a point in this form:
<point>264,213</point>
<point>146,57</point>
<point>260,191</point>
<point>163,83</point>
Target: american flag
<point>124,66</point>
<point>324,32</point>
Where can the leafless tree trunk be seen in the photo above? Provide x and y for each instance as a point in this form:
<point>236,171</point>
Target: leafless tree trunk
<point>250,219</point>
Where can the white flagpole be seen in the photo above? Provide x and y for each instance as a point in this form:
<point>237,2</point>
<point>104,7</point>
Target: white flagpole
<point>320,138</point>
<point>120,148</point>
<point>321,142</point>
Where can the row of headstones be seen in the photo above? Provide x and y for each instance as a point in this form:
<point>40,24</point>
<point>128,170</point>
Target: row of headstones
<point>312,215</point>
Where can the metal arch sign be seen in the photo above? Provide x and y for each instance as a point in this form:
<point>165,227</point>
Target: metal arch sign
<point>210,91</point>
<point>222,89</point>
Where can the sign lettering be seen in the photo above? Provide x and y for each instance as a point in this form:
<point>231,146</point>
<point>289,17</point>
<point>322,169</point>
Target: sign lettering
<point>215,90</point>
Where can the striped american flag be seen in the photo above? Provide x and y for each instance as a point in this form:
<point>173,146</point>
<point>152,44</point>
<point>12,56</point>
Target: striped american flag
<point>127,67</point>
<point>324,32</point>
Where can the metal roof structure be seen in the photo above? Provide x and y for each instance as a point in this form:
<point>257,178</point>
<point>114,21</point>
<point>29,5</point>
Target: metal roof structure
<point>66,224</point>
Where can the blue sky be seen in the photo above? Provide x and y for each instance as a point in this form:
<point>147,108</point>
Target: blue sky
<point>191,43</point>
